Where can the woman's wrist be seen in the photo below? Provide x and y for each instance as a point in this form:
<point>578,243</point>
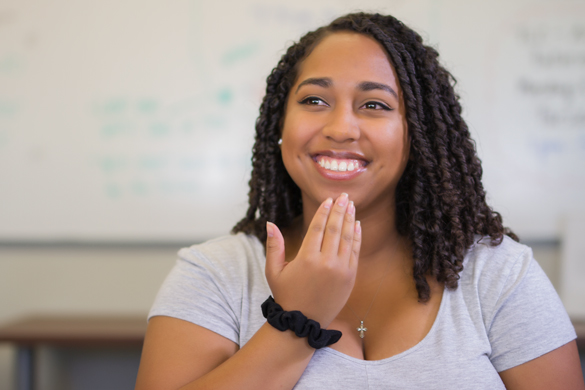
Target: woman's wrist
<point>302,326</point>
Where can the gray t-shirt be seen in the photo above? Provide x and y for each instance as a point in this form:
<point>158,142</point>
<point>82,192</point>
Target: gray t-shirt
<point>505,312</point>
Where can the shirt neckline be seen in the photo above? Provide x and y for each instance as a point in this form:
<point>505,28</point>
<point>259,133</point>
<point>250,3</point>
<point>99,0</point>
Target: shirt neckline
<point>420,344</point>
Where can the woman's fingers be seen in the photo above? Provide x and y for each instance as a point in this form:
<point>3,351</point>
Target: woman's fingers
<point>334,227</point>
<point>356,245</point>
<point>332,231</point>
<point>275,260</point>
<point>320,278</point>
<point>347,233</point>
<point>314,238</point>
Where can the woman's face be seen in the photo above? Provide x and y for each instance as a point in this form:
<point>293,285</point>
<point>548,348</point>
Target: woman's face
<point>344,128</point>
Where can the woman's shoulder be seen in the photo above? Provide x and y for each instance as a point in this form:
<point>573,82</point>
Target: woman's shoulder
<point>503,287</point>
<point>483,246</point>
<point>232,249</point>
<point>211,282</point>
<point>485,260</point>
<point>491,273</point>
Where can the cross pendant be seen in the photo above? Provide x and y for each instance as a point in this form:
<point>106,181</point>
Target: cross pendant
<point>361,329</point>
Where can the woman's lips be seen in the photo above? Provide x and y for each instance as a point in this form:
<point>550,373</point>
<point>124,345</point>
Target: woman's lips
<point>339,167</point>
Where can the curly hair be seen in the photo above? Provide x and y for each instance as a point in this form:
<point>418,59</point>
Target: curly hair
<point>440,200</point>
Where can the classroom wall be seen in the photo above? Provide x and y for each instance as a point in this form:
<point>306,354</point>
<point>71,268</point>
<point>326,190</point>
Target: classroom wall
<point>132,120</point>
<point>77,280</point>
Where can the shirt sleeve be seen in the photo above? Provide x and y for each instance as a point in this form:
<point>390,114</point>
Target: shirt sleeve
<point>529,319</point>
<point>197,292</point>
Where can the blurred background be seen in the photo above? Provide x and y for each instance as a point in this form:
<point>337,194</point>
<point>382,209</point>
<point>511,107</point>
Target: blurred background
<point>126,129</point>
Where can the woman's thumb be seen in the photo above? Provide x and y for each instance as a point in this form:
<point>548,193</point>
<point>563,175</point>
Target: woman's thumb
<point>275,261</point>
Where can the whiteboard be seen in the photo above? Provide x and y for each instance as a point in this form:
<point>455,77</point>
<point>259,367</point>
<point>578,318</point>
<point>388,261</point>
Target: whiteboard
<point>133,120</point>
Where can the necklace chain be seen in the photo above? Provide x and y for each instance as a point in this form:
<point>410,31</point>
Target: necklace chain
<point>362,329</point>
<point>371,303</point>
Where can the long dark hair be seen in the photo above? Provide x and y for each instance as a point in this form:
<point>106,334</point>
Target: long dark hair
<point>440,200</point>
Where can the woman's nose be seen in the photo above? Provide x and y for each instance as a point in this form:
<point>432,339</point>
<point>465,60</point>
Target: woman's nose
<point>342,125</point>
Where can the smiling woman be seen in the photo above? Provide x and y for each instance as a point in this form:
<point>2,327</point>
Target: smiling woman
<point>346,113</point>
<point>367,216</point>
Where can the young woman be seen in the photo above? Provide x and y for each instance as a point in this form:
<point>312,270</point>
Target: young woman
<point>367,214</point>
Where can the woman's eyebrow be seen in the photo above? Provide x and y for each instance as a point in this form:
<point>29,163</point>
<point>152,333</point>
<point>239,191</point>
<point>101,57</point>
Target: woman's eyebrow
<point>324,82</point>
<point>371,85</point>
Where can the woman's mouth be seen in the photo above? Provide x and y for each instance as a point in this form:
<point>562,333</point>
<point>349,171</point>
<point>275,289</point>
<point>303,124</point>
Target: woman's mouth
<point>339,166</point>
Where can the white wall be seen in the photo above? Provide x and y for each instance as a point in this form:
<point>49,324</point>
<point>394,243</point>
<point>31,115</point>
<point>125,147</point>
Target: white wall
<point>112,133</point>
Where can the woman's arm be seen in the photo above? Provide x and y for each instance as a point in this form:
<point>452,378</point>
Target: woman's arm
<point>176,352</point>
<point>559,369</point>
<point>179,354</point>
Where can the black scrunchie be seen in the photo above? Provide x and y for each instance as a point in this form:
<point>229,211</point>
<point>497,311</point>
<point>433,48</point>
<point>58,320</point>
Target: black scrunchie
<point>298,323</point>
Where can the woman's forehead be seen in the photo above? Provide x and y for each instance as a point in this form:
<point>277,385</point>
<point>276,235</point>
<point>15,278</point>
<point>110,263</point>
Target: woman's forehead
<point>350,56</point>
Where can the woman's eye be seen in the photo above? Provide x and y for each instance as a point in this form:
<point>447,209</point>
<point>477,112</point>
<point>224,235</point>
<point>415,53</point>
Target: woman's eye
<point>313,101</point>
<point>376,106</point>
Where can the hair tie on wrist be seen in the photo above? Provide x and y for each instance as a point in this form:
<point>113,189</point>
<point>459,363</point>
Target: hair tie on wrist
<point>298,323</point>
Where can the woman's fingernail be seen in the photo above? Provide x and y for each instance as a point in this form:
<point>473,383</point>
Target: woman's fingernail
<point>358,227</point>
<point>342,200</point>
<point>269,229</point>
<point>351,208</point>
<point>328,202</point>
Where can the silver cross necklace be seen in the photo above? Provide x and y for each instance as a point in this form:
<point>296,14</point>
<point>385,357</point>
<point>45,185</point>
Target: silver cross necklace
<point>362,329</point>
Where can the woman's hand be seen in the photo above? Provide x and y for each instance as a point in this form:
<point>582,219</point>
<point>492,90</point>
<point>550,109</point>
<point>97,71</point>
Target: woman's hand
<point>319,280</point>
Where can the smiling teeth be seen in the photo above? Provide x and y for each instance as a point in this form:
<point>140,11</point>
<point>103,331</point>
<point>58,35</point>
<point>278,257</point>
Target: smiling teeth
<point>338,166</point>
